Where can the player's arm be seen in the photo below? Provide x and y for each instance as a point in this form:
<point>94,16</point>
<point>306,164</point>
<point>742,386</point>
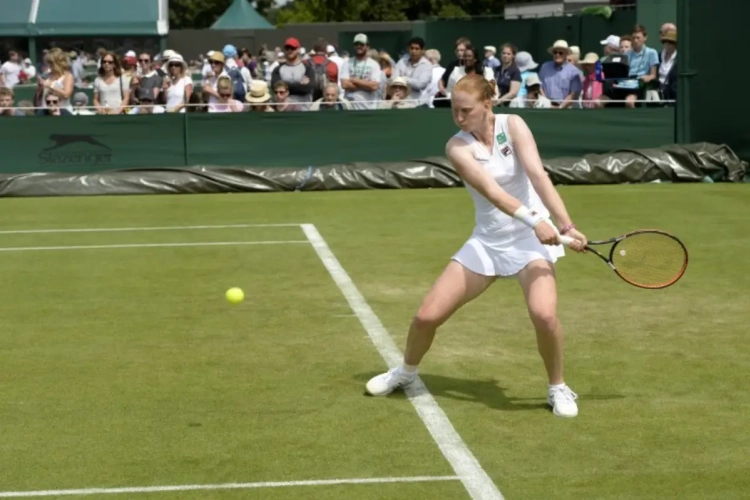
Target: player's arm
<point>528,154</point>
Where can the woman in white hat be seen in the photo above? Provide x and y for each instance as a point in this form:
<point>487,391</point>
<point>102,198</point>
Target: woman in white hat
<point>178,87</point>
<point>526,65</point>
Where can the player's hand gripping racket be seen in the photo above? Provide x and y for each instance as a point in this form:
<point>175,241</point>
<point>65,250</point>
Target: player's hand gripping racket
<point>646,258</point>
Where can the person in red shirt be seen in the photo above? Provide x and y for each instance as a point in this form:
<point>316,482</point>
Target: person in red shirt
<point>326,71</point>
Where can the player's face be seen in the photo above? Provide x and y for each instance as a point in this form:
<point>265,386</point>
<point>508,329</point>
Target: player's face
<point>468,111</point>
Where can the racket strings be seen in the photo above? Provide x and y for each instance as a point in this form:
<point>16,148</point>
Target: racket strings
<point>650,260</point>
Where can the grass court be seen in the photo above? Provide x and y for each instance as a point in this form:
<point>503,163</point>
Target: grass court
<point>124,372</point>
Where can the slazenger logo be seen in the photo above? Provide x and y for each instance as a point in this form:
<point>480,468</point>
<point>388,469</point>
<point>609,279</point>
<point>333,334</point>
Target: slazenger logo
<point>76,150</point>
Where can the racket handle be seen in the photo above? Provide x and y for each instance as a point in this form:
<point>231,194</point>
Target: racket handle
<point>565,240</point>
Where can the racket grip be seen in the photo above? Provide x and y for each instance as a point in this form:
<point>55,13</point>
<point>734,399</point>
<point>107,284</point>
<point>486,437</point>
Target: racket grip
<point>565,240</point>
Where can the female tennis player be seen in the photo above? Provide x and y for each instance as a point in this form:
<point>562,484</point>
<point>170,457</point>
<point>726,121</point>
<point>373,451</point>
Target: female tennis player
<point>497,158</point>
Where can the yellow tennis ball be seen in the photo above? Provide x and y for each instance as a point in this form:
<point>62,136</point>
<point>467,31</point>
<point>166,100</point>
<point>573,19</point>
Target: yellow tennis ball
<point>235,295</point>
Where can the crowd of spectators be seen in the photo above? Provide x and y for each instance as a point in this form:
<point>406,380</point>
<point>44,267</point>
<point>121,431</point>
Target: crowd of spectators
<point>627,73</point>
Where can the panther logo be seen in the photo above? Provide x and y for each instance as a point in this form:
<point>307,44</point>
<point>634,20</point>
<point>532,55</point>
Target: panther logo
<point>62,140</point>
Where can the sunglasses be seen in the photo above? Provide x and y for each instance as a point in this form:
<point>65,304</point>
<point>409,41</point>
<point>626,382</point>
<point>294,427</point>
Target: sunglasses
<point>53,101</point>
<point>108,61</point>
<point>145,60</point>
<point>289,47</point>
<point>559,52</point>
<point>225,96</point>
<point>215,62</point>
<point>279,92</point>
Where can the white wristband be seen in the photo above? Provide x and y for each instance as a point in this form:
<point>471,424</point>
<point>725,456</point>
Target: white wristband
<point>528,217</point>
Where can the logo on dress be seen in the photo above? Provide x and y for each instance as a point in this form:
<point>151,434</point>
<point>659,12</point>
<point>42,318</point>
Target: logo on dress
<point>501,139</point>
<point>506,151</point>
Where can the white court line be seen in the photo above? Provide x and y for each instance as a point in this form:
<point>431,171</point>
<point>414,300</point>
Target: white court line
<point>225,486</point>
<point>126,229</point>
<point>467,467</point>
<point>153,245</point>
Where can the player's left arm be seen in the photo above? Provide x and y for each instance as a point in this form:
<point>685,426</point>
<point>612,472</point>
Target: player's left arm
<point>528,154</point>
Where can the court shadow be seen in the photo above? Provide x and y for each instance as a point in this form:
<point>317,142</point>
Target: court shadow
<point>486,392</point>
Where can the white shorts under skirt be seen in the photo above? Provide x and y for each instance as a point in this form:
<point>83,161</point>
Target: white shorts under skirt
<point>488,261</point>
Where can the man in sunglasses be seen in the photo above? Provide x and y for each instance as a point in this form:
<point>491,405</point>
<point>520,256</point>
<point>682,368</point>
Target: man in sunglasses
<point>53,107</point>
<point>146,104</point>
<point>298,76</point>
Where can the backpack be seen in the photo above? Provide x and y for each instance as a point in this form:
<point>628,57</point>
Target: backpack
<point>238,84</point>
<point>321,78</point>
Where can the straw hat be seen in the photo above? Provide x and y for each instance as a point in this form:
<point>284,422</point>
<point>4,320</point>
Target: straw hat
<point>591,58</point>
<point>399,82</point>
<point>559,44</point>
<point>258,93</point>
<point>217,56</point>
<point>669,36</point>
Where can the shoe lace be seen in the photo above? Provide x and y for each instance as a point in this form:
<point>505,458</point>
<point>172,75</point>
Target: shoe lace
<point>566,394</point>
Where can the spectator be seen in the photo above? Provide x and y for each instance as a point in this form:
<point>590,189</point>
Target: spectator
<point>150,78</point>
<point>416,72</point>
<point>400,95</point>
<point>561,81</point>
<point>490,59</point>
<point>247,60</point>
<point>195,103</point>
<point>325,70</point>
<point>385,61</point>
<point>10,71</point>
<point>80,105</point>
<point>433,55</point>
<point>177,87</point>
<point>534,97</point>
<point>6,103</point>
<point>592,87</point>
<point>111,88</point>
<point>211,78</point>
<point>611,45</point>
<point>469,65</point>
<point>508,76</point>
<point>146,105</point>
<point>331,100</point>
<point>258,97</point>
<point>59,81</point>
<point>666,27</point>
<point>526,66</point>
<point>27,107</point>
<point>460,45</point>
<point>53,106</point>
<point>298,76</point>
<point>241,77</point>
<point>360,76</point>
<point>626,44</point>
<point>333,56</point>
<point>28,72</point>
<point>281,98</point>
<point>575,55</point>
<point>668,66</point>
<point>643,63</point>
<point>225,103</point>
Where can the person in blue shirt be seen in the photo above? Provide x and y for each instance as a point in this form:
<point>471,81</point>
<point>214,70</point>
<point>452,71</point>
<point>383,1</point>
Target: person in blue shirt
<point>644,63</point>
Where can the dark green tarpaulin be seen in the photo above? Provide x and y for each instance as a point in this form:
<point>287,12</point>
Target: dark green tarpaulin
<point>14,18</point>
<point>95,143</point>
<point>241,16</point>
<point>692,163</point>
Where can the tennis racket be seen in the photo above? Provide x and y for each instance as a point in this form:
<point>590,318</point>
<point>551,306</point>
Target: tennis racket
<point>647,258</point>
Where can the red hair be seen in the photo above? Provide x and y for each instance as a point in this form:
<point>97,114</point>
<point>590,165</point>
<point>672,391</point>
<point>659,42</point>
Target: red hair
<point>476,85</point>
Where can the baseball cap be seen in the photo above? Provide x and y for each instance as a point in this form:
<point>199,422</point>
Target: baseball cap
<point>292,42</point>
<point>360,38</point>
<point>612,40</point>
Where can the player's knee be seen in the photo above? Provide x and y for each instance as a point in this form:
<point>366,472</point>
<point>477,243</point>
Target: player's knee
<point>428,318</point>
<point>544,318</point>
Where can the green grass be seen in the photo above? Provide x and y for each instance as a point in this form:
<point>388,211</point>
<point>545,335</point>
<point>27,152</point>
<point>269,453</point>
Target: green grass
<point>126,367</point>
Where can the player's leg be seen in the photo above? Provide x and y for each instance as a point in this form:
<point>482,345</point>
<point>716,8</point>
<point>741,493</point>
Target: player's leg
<point>455,287</point>
<point>540,290</point>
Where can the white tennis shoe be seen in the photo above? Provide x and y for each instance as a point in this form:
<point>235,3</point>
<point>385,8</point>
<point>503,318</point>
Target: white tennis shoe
<point>386,383</point>
<point>563,401</point>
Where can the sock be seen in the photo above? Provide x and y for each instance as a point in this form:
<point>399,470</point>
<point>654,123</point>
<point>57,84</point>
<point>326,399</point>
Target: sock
<point>409,368</point>
<point>556,386</point>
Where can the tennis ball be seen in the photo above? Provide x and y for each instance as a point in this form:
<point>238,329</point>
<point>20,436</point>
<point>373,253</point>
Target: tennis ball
<point>235,295</point>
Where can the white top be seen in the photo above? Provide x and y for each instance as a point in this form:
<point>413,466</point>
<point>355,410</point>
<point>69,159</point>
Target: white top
<point>10,72</point>
<point>493,227</point>
<point>460,72</point>
<point>111,94</point>
<point>541,102</point>
<point>210,80</point>
<point>366,69</point>
<point>176,92</point>
<point>666,66</point>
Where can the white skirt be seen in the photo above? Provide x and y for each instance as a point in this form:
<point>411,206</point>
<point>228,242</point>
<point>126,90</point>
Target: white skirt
<point>487,260</point>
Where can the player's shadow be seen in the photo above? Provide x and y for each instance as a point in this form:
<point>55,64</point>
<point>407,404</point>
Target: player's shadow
<point>486,392</point>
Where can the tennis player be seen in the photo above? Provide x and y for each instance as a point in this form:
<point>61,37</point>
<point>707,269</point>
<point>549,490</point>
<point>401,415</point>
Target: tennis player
<point>497,158</point>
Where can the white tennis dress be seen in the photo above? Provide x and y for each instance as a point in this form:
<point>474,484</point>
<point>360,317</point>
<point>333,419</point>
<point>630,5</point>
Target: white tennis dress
<point>501,245</point>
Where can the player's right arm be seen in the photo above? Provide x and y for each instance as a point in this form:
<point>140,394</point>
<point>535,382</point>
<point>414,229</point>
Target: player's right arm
<point>460,155</point>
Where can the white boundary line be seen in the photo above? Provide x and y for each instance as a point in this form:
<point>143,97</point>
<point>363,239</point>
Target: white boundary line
<point>153,245</point>
<point>467,467</point>
<point>225,486</point>
<point>125,229</point>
